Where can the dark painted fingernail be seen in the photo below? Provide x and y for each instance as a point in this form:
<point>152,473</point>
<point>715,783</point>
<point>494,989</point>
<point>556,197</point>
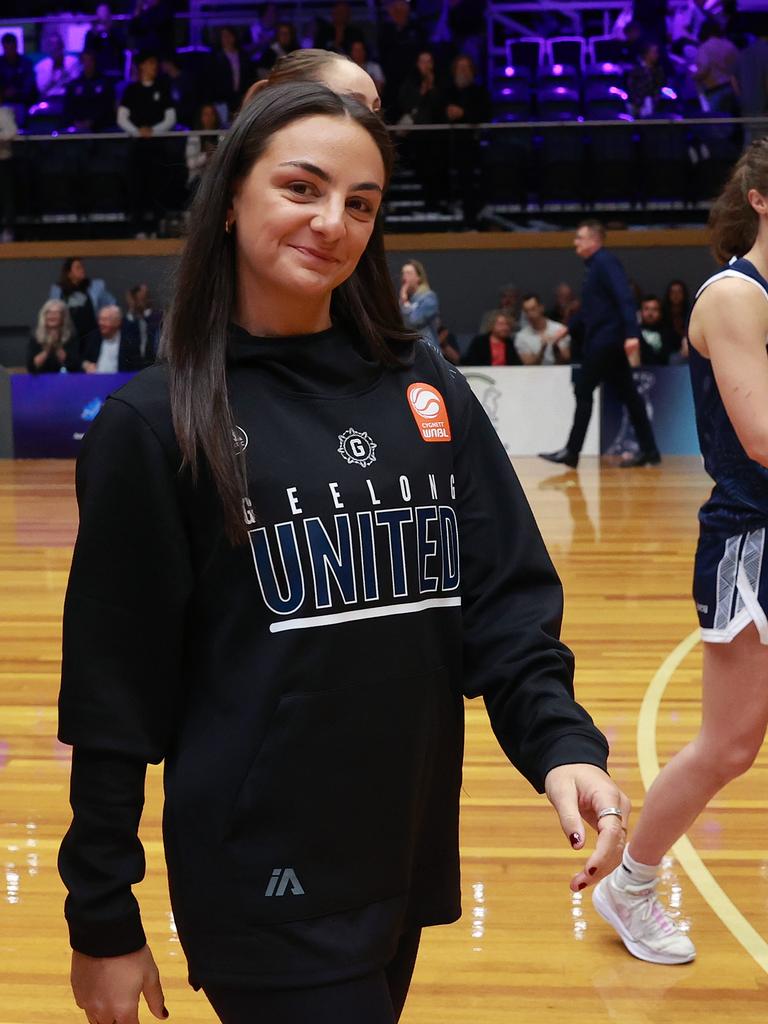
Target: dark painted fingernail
<point>582,885</point>
<point>592,871</point>
<point>165,1014</point>
<point>575,838</point>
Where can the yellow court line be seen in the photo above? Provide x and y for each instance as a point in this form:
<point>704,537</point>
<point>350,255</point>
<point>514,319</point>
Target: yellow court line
<point>683,849</point>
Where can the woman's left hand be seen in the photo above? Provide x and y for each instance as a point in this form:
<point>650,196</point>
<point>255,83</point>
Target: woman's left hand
<point>579,792</point>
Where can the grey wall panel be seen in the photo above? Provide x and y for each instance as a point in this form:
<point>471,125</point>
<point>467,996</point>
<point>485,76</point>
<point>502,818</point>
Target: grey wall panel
<point>467,281</point>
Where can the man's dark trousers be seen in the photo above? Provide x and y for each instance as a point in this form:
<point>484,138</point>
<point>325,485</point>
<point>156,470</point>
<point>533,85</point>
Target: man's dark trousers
<point>608,364</point>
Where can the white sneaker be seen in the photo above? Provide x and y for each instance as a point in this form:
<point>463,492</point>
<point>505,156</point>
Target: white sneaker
<point>642,923</point>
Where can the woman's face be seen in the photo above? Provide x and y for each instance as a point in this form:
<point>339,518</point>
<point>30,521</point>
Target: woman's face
<point>409,277</point>
<point>425,64</point>
<point>77,272</point>
<point>305,211</point>
<point>676,294</point>
<point>53,319</point>
<point>208,118</point>
<point>347,79</point>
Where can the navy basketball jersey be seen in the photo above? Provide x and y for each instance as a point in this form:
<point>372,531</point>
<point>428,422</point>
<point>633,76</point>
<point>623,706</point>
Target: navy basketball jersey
<point>739,500</point>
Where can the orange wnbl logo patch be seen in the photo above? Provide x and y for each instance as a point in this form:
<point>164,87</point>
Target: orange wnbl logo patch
<point>428,408</point>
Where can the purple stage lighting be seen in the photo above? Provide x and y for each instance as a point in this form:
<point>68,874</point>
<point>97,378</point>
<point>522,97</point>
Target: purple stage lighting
<point>509,71</point>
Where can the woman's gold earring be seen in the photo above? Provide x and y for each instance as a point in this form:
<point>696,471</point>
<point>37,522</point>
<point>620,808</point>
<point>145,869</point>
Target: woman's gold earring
<point>228,226</point>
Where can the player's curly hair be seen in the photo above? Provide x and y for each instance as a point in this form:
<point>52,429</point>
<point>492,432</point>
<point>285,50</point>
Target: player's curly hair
<point>732,219</point>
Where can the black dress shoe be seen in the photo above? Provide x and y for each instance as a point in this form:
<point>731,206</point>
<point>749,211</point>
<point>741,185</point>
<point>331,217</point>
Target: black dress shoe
<point>564,455</point>
<point>641,459</point>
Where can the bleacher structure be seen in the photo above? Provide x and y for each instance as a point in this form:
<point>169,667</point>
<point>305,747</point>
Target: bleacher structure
<point>563,139</point>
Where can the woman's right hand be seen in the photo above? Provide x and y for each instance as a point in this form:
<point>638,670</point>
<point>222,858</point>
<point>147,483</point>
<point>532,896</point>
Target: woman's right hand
<point>108,988</point>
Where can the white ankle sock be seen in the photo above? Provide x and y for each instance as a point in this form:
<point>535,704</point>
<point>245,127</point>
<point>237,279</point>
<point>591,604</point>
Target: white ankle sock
<point>633,872</point>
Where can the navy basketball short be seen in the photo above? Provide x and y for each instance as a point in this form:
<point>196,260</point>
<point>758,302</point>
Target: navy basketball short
<point>730,585</point>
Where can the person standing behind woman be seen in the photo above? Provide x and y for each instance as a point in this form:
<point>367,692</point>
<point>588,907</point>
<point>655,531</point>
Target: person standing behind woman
<point>53,347</point>
<point>334,70</point>
<point>285,326</point>
<point>83,296</point>
<point>418,303</point>
<point>729,375</point>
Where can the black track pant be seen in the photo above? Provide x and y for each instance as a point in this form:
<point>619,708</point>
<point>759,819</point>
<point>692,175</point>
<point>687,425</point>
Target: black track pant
<point>608,365</point>
<point>374,999</point>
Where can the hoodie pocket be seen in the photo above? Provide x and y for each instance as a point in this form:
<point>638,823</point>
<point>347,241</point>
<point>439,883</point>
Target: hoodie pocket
<point>329,815</point>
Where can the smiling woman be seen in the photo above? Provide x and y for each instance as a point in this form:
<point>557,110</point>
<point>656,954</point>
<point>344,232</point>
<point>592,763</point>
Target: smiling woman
<point>298,461</point>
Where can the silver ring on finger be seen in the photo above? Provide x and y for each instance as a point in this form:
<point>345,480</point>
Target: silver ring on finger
<point>615,811</point>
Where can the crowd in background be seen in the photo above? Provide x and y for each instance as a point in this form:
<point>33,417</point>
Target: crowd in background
<point>428,61</point>
<point>82,328</point>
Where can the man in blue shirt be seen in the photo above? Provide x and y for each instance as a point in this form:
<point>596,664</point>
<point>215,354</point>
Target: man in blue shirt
<point>611,333</point>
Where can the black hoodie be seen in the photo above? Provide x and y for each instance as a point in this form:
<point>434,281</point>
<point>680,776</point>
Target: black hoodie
<point>306,689</point>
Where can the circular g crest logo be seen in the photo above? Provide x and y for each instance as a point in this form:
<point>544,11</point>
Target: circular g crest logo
<point>356,448</point>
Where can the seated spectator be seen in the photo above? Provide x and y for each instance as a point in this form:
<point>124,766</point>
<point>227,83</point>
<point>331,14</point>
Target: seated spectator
<point>182,90</point>
<point>200,148</point>
<point>495,347</point>
<point>358,52</point>
<point>108,42</point>
<point>89,105</point>
<point>448,344</point>
<point>82,296</point>
<point>151,26</point>
<point>401,40</point>
<point>716,64</point>
<point>646,80</point>
<point>146,109</point>
<point>418,303</point>
<point>657,343</point>
<point>565,304</point>
<point>17,78</point>
<point>676,308</point>
<point>340,32</point>
<point>54,73</point>
<point>146,320</point>
<point>53,348</point>
<point>113,347</point>
<point>420,100</point>
<point>509,305</point>
<point>233,71</point>
<point>8,132</point>
<point>541,341</point>
<point>286,41</point>
<point>466,100</point>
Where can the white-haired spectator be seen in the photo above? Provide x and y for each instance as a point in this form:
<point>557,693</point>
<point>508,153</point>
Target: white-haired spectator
<point>113,347</point>
<point>53,347</point>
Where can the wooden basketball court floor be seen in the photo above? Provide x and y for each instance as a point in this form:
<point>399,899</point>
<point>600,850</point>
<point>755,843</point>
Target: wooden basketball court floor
<point>525,950</point>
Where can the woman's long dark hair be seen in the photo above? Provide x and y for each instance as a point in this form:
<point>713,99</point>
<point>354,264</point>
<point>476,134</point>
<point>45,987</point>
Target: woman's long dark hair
<point>732,219</point>
<point>64,282</point>
<point>196,330</point>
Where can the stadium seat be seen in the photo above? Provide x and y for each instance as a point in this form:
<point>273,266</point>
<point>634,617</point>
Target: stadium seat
<point>527,51</point>
<point>606,49</point>
<point>551,75</point>
<point>569,50</point>
<point>558,103</point>
<point>512,102</point>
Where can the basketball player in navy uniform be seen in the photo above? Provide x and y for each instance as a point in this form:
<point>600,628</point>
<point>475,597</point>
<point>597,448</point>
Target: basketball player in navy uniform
<point>729,371</point>
<point>301,545</point>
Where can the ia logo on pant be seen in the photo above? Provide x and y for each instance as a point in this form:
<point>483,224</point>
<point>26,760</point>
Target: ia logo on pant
<point>282,879</point>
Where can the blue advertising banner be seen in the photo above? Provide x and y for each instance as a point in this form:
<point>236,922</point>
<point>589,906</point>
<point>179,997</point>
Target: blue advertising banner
<point>52,412</point>
<point>666,391</point>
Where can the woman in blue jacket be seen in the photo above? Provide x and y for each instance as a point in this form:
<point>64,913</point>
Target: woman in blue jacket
<point>418,303</point>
